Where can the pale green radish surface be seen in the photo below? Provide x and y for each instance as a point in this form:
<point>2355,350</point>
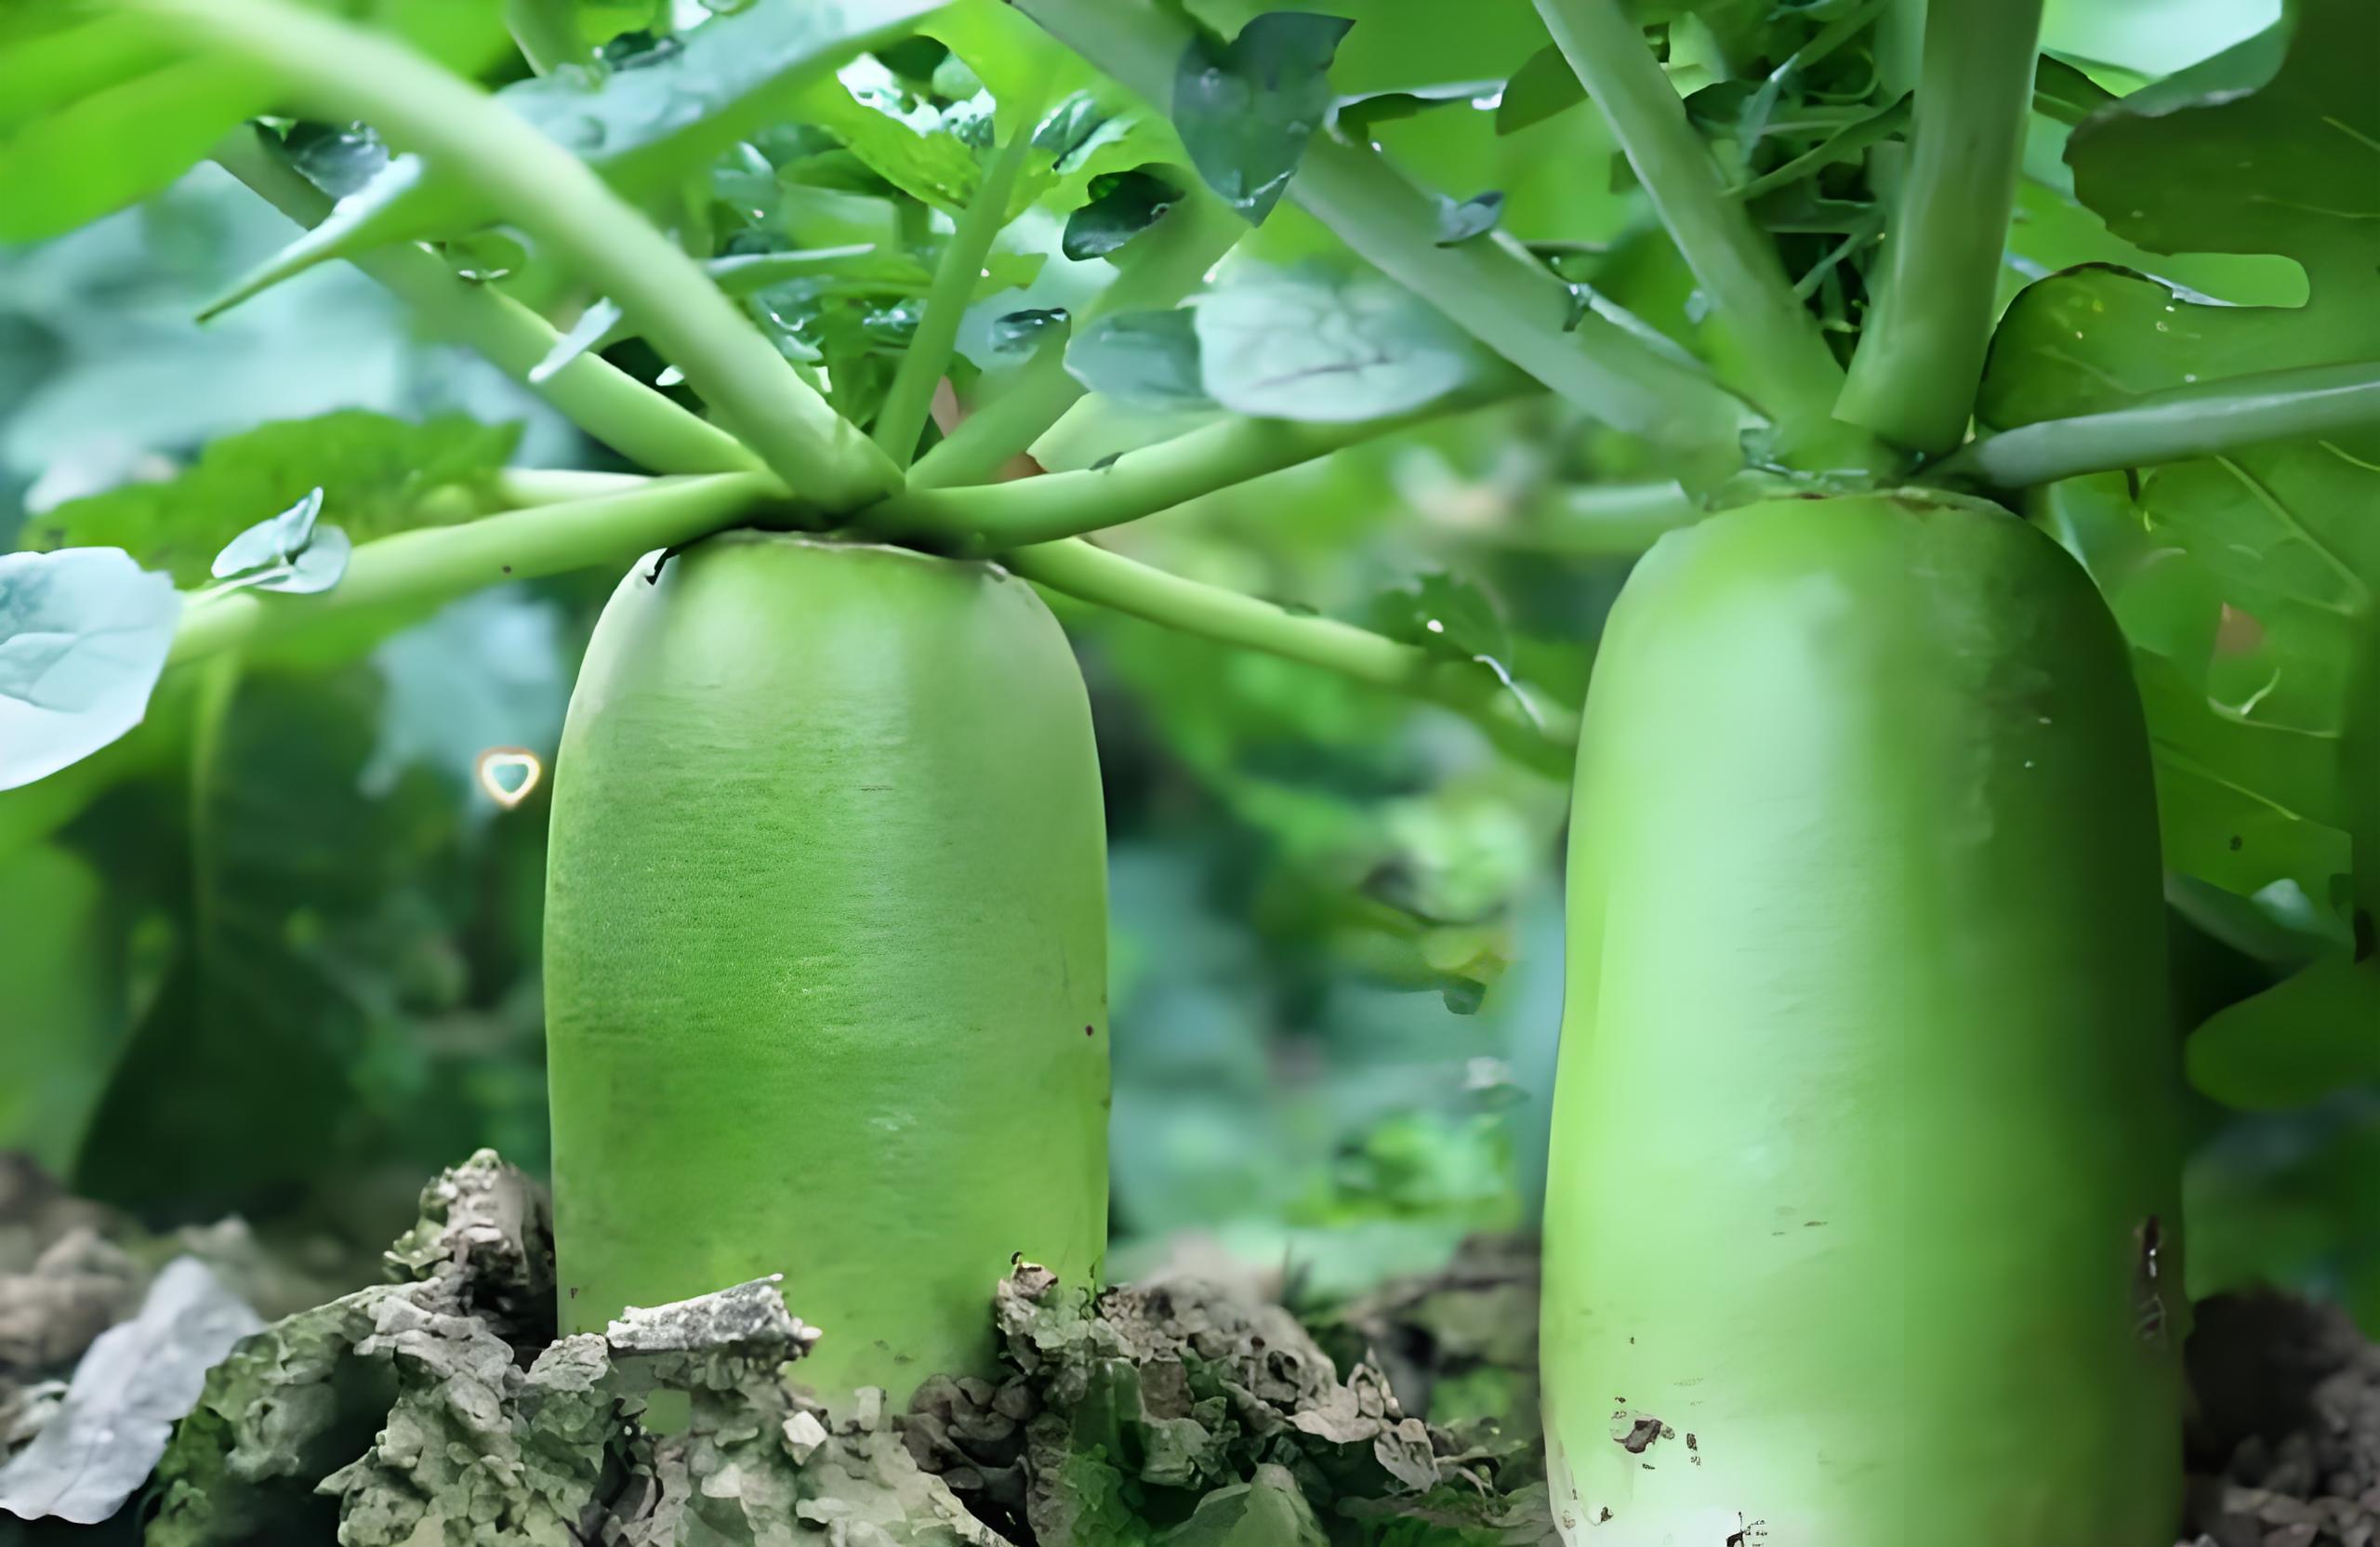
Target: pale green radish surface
<point>1868,1089</point>
<point>826,950</point>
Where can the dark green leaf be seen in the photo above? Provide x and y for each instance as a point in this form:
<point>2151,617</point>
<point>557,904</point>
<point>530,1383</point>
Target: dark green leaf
<point>2270,147</point>
<point>290,927</point>
<point>1356,115</point>
<point>63,962</point>
<point>1122,205</point>
<point>1541,89</point>
<point>1145,359</point>
<point>1020,331</point>
<point>1847,143</point>
<point>2062,92</point>
<point>380,475</point>
<point>1246,110</point>
<point>1460,221</point>
<point>2314,1035</point>
<point>1446,615</point>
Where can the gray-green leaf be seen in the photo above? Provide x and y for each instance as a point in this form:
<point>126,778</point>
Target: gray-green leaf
<point>1144,359</point>
<point>84,634</point>
<point>1303,346</point>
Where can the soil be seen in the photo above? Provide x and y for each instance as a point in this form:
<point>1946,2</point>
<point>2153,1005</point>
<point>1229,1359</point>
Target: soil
<point>1232,1405</point>
<point>2285,1438</point>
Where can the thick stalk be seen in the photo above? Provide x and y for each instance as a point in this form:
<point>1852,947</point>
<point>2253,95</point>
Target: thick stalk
<point>1161,266</point>
<point>433,564</point>
<point>1493,289</point>
<point>2177,425</point>
<point>1600,521</point>
<point>908,401</point>
<point>347,71</point>
<point>1913,377</point>
<point>1792,372</point>
<point>1514,715</point>
<point>999,516</point>
<point>610,405</point>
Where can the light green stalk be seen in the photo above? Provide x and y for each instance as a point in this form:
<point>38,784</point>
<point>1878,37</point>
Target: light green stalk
<point>999,516</point>
<point>1920,355</point>
<point>910,398</point>
<point>435,563</point>
<point>1493,289</point>
<point>2176,425</point>
<point>1792,372</point>
<point>600,399</point>
<point>1515,716</point>
<point>348,71</point>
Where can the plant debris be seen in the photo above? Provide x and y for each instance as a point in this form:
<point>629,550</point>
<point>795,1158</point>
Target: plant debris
<point>1180,1413</point>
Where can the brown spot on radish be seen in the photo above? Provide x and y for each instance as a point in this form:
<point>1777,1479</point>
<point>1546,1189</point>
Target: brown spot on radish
<point>1642,1435</point>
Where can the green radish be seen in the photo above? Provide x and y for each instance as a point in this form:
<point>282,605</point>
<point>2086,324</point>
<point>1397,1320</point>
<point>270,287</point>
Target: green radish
<point>1861,1225</point>
<point>825,949</point>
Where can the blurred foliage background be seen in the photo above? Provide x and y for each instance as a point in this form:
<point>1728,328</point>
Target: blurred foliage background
<point>278,953</point>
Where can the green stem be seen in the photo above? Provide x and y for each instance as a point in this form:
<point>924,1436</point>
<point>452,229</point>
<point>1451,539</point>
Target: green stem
<point>1607,521</point>
<point>997,516</point>
<point>346,72</point>
<point>1913,378</point>
<point>610,405</point>
<point>2177,425</point>
<point>1505,298</point>
<point>521,488</point>
<point>910,398</point>
<point>1491,287</point>
<point>1536,732</point>
<point>433,564</point>
<point>219,686</point>
<point>1159,268</point>
<point>1792,372</point>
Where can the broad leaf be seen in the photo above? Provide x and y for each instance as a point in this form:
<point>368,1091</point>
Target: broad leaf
<point>1246,109</point>
<point>2247,581</point>
<point>83,635</point>
<point>2252,577</point>
<point>2272,145</point>
<point>1304,346</point>
<point>381,475</point>
<point>1142,359</point>
<point>2316,1033</point>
